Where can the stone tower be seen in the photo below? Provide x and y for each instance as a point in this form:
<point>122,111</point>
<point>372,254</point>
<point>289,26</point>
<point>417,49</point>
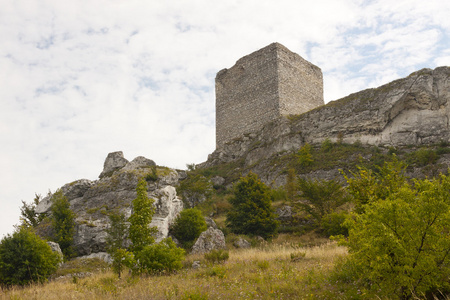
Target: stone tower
<point>263,86</point>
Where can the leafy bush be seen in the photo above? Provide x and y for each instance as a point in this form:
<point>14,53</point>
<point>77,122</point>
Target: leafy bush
<point>188,226</point>
<point>195,188</point>
<point>164,256</point>
<point>423,157</point>
<point>251,211</point>
<point>152,176</point>
<point>304,156</point>
<point>320,197</point>
<point>333,224</point>
<point>400,242</point>
<point>327,145</point>
<point>217,256</point>
<point>25,258</point>
<point>116,243</point>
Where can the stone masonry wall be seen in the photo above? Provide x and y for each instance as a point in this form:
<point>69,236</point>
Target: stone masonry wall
<point>300,84</point>
<point>262,86</point>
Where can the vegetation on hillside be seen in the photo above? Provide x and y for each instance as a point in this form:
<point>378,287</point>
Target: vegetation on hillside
<point>395,229</point>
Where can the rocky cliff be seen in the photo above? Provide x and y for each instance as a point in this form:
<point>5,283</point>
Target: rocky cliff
<point>114,191</point>
<point>411,111</point>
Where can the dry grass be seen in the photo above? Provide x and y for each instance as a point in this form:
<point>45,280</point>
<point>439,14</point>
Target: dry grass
<point>266,272</point>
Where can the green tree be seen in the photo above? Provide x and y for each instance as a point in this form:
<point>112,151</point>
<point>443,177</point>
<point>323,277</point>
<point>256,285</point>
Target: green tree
<point>63,223</point>
<point>251,211</point>
<point>304,156</point>
<point>188,226</point>
<point>195,188</point>
<point>290,186</point>
<point>140,232</point>
<point>25,258</point>
<point>164,256</point>
<point>368,185</point>
<point>116,243</point>
<point>320,198</point>
<point>28,215</point>
<point>399,242</point>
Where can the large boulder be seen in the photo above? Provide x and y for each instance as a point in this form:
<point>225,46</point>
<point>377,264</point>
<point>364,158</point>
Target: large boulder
<point>211,239</point>
<point>114,161</point>
<point>56,249</point>
<point>168,206</point>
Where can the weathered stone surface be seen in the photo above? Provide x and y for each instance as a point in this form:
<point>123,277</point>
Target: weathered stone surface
<point>217,180</point>
<point>411,111</point>
<point>210,223</point>
<point>263,86</point>
<point>242,243</point>
<point>91,201</point>
<point>114,161</point>
<point>100,255</point>
<point>55,248</point>
<point>139,162</point>
<point>196,264</point>
<point>168,206</point>
<point>210,239</point>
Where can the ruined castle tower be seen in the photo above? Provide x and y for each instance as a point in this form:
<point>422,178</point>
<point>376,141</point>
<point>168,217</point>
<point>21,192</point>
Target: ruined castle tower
<point>263,86</point>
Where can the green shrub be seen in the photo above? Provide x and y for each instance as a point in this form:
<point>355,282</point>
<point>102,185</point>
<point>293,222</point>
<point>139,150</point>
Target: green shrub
<point>188,226</point>
<point>320,197</point>
<point>251,211</point>
<point>217,256</point>
<point>423,157</point>
<point>304,156</point>
<point>63,223</point>
<point>327,145</point>
<point>152,176</point>
<point>25,258</point>
<point>164,256</point>
<point>333,224</point>
<point>399,241</point>
<point>217,271</point>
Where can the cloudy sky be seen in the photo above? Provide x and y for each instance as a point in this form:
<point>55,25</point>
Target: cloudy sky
<point>80,79</point>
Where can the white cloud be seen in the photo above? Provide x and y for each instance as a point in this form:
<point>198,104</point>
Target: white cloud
<point>80,79</point>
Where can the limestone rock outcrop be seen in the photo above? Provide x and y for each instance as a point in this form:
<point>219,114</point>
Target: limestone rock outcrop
<point>92,201</point>
<point>113,161</point>
<point>211,239</point>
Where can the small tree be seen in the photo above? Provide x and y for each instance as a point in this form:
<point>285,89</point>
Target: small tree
<point>320,198</point>
<point>25,258</point>
<point>140,232</point>
<point>28,215</point>
<point>399,242</point>
<point>251,211</point>
<point>368,185</point>
<point>63,223</point>
<point>188,226</point>
<point>304,156</point>
<point>116,243</point>
<point>291,188</point>
<point>195,188</point>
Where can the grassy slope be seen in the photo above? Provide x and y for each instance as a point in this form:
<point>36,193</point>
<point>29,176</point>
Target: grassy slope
<point>265,272</point>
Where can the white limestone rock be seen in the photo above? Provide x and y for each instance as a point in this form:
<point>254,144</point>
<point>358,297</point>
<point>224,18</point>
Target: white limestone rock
<point>211,239</point>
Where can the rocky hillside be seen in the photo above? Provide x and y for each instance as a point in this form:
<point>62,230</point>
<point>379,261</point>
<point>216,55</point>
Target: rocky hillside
<point>114,191</point>
<point>399,117</point>
<point>413,111</point>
